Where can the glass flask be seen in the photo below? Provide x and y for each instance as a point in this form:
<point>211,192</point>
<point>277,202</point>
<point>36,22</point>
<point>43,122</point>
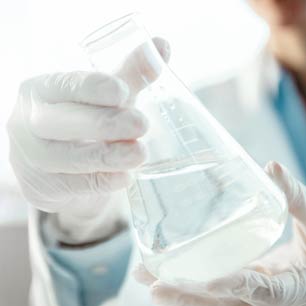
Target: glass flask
<point>201,207</point>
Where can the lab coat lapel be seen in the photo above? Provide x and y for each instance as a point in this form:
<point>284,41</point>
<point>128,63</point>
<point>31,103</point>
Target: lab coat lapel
<point>42,289</point>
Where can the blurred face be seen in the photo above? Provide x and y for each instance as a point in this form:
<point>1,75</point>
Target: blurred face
<point>283,13</point>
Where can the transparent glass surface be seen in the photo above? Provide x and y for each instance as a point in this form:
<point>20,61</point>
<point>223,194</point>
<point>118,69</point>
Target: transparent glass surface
<point>201,207</point>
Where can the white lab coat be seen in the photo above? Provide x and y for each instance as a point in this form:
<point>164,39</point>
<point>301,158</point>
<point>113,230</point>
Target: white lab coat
<point>243,105</point>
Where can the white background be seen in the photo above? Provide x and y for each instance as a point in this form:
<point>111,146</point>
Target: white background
<point>210,39</point>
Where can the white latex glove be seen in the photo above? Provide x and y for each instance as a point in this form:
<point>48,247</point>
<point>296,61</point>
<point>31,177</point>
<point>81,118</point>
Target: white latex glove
<point>73,137</point>
<point>277,279</point>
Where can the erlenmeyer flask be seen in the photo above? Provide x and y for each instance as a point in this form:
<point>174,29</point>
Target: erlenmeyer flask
<point>201,206</point>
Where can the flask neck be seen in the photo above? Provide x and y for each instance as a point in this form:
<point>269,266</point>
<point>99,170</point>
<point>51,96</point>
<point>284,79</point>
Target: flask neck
<point>124,48</point>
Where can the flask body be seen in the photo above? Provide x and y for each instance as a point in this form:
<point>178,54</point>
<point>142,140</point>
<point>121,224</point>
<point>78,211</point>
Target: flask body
<point>201,207</point>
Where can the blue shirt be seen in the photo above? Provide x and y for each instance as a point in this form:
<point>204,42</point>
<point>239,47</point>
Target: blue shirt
<point>291,111</point>
<point>90,276</point>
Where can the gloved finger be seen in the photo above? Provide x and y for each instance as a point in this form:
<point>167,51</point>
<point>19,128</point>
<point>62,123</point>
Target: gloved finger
<point>258,289</point>
<point>77,122</point>
<point>77,158</point>
<point>293,189</point>
<point>63,157</point>
<point>143,276</point>
<point>95,183</point>
<point>163,47</point>
<point>276,261</point>
<point>282,290</point>
<point>166,295</point>
<point>93,88</point>
<point>143,66</point>
<point>56,191</point>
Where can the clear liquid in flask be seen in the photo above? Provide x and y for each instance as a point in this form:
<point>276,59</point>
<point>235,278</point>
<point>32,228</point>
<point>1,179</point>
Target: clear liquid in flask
<point>197,221</point>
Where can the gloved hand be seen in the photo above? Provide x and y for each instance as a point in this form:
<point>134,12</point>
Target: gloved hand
<point>277,279</point>
<point>73,137</point>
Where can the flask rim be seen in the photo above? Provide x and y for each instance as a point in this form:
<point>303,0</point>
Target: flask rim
<point>108,29</point>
